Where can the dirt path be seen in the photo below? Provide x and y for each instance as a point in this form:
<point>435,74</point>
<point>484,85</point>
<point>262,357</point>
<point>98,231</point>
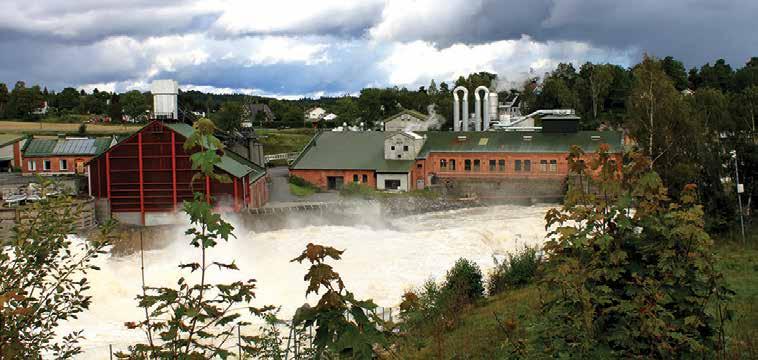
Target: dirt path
<point>47,128</point>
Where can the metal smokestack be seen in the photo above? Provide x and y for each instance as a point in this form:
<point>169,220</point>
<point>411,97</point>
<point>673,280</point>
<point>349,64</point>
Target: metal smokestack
<point>459,112</point>
<point>479,119</point>
<point>493,110</point>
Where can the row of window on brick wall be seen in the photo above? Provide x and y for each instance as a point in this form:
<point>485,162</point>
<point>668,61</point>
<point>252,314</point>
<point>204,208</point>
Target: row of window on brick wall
<point>364,178</point>
<point>47,165</point>
<point>499,165</point>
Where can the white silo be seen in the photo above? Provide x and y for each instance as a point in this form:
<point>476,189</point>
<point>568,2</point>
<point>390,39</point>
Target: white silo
<point>493,109</point>
<point>165,99</point>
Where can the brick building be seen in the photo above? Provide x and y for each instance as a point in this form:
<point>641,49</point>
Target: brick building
<point>144,178</point>
<point>62,155</point>
<point>10,151</point>
<point>490,164</point>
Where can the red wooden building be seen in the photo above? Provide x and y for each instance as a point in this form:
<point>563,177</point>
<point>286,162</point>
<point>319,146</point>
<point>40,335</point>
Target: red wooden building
<point>146,176</point>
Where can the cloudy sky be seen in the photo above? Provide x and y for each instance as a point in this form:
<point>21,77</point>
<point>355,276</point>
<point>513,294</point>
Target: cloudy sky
<point>289,48</point>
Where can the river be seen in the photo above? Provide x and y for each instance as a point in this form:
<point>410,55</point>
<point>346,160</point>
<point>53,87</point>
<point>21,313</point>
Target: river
<point>381,260</point>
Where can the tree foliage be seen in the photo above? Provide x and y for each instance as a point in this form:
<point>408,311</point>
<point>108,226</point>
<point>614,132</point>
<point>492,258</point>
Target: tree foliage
<point>630,271</point>
<point>43,280</point>
<point>345,326</point>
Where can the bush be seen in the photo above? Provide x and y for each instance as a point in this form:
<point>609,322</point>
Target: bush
<point>464,282</point>
<point>83,129</point>
<point>359,190</point>
<point>296,180</point>
<point>518,270</point>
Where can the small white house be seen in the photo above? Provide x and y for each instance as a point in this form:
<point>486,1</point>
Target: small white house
<point>330,117</point>
<point>314,114</point>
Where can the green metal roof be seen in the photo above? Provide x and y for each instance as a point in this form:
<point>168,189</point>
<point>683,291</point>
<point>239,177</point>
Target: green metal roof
<point>37,147</point>
<point>231,162</point>
<point>337,150</point>
<point>365,150</point>
<point>8,139</point>
<point>515,142</point>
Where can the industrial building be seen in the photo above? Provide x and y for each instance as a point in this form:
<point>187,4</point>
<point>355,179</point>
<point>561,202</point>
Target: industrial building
<point>147,176</point>
<point>144,178</point>
<point>512,162</point>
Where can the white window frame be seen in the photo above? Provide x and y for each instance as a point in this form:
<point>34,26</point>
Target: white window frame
<point>32,165</point>
<point>63,164</point>
<point>47,165</point>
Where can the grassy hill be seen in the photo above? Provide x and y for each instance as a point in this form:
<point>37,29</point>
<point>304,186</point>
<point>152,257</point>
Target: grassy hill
<point>494,327</point>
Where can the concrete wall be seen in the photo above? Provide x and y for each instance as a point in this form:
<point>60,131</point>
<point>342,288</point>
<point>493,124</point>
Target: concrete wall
<point>319,177</point>
<point>381,177</point>
<point>395,147</point>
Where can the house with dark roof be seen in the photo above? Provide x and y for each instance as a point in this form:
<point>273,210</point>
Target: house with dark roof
<point>490,163</point>
<point>144,178</point>
<point>62,155</point>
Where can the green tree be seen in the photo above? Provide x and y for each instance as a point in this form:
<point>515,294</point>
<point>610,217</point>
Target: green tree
<point>134,105</point>
<point>675,70</point>
<point>597,80</point>
<point>718,76</point>
<point>656,112</point>
<point>4,97</point>
<point>67,99</point>
<point>747,76</point>
<point>229,118</point>
<point>745,108</point>
<point>43,280</point>
<point>115,112</point>
<point>630,272</point>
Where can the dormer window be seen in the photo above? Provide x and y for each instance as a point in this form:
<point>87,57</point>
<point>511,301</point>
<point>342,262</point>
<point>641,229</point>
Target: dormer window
<point>405,147</point>
<point>392,148</point>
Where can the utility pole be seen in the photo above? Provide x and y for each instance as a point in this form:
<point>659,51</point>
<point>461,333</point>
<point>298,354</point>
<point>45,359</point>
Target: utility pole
<point>739,191</point>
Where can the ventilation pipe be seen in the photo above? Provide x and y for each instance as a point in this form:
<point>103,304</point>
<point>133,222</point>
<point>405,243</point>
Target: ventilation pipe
<point>479,119</point>
<point>458,111</point>
<point>493,110</point>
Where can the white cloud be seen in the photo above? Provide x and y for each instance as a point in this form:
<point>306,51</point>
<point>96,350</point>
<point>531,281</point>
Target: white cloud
<point>416,63</point>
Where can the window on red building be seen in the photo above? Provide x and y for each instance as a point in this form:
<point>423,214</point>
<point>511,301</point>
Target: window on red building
<point>477,165</point>
<point>355,178</point>
<point>452,164</point>
<point>46,165</point>
<point>543,165</point>
<point>365,178</point>
<point>493,165</point>
<point>443,164</point>
<point>553,165</point>
<point>32,165</point>
<point>517,165</point>
<point>501,165</point>
<point>63,165</point>
<point>467,165</point>
<point>527,165</point>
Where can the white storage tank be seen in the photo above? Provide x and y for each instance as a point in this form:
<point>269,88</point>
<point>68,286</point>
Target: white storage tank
<point>493,104</point>
<point>165,99</point>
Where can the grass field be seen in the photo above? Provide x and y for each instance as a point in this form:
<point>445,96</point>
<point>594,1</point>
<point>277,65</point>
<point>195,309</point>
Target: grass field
<point>284,141</point>
<point>47,128</point>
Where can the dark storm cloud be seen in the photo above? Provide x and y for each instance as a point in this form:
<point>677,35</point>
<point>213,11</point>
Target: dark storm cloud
<point>69,43</point>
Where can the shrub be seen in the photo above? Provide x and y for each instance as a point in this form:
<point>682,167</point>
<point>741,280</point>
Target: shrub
<point>518,270</point>
<point>296,180</point>
<point>82,129</point>
<point>463,282</point>
<point>359,190</point>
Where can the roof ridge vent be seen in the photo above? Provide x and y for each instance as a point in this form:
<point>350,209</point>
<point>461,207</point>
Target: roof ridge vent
<point>527,137</point>
<point>595,137</point>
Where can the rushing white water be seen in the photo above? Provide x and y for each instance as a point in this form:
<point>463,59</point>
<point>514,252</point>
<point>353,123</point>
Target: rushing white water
<point>379,263</point>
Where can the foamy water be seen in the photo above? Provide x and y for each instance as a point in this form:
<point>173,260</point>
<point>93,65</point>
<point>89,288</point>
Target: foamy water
<point>379,263</point>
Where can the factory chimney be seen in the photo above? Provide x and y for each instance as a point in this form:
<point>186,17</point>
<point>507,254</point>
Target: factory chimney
<point>459,113</point>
